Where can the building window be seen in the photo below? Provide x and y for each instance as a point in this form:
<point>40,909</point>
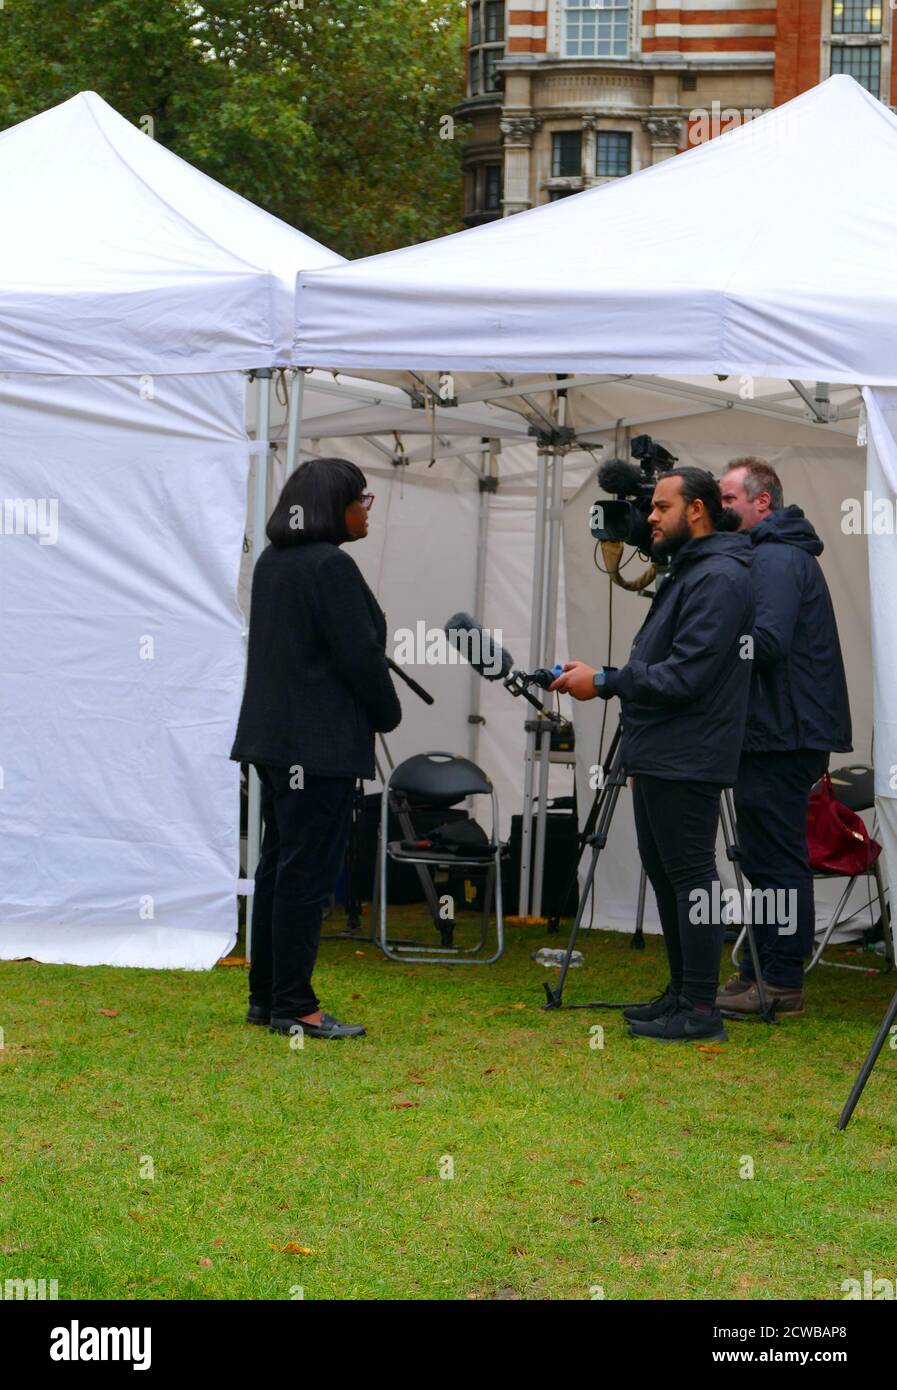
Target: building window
<point>855,17</point>
<point>566,154</point>
<point>484,189</point>
<point>555,193</point>
<point>614,153</point>
<point>475,72</point>
<point>495,20</point>
<point>596,30</point>
<point>487,33</point>
<point>492,188</point>
<point>860,62</point>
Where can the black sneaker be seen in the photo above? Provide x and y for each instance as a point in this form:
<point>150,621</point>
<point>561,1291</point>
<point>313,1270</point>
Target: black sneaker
<point>655,1008</point>
<point>329,1027</point>
<point>683,1024</point>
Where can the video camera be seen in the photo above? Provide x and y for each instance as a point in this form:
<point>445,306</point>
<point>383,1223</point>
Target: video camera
<point>626,519</point>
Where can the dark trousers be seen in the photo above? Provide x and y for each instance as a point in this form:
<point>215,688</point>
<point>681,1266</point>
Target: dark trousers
<point>771,800</point>
<point>676,824</point>
<point>302,851</point>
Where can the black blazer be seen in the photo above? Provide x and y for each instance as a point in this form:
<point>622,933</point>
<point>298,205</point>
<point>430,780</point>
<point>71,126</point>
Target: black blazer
<point>317,683</point>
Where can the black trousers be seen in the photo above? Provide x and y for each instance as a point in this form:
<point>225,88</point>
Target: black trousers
<point>771,800</point>
<point>303,846</point>
<point>676,824</point>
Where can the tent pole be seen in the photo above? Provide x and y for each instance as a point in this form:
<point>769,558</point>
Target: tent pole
<point>297,392</point>
<point>259,521</point>
<point>486,480</point>
<point>547,654</point>
<point>535,641</point>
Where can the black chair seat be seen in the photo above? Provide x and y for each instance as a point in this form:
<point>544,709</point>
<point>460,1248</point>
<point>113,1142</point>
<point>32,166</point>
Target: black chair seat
<point>439,779</point>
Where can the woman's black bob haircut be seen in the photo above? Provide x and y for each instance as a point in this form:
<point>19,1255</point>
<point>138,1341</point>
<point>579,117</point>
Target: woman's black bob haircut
<point>312,506</point>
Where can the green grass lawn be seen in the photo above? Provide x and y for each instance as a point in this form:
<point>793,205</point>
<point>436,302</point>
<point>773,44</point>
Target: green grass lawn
<point>574,1165</point>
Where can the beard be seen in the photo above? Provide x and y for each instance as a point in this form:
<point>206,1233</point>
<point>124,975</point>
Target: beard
<point>666,548</point>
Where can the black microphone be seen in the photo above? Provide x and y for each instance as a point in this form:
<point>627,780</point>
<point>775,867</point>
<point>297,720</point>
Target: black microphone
<point>412,684</point>
<point>479,647</point>
<point>621,478</point>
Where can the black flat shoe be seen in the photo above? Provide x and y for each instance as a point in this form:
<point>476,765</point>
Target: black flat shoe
<point>683,1024</point>
<point>256,1014</point>
<point>656,1008</point>
<point>329,1027</point>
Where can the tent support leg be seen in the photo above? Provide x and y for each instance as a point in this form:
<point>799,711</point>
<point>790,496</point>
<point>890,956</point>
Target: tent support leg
<point>547,654</point>
<point>297,392</point>
<point>535,637</point>
<point>259,521</point>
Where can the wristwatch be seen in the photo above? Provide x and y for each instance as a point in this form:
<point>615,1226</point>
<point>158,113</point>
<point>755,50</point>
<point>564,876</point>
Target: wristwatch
<point>599,678</point>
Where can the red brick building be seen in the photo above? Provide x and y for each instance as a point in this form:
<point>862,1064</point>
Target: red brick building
<point>566,94</point>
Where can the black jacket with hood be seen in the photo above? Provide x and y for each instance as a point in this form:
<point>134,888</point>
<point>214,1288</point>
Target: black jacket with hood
<point>684,690</point>
<point>798,690</point>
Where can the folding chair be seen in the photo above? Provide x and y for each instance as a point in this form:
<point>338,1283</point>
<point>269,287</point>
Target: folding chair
<point>441,780</point>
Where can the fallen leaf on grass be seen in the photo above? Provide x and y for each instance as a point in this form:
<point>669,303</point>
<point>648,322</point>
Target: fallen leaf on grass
<point>575,1182</point>
<point>233,960</point>
<point>109,1013</point>
<point>292,1247</point>
<point>354,996</point>
<point>518,1006</point>
<point>702,1047</point>
<point>359,953</point>
<point>488,1071</point>
<point>205,1262</point>
<point>405,1105</point>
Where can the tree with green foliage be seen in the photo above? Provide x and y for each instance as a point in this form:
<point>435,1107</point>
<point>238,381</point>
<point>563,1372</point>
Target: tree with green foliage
<point>334,115</point>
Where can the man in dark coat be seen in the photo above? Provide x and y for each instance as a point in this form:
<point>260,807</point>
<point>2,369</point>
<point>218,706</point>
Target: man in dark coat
<point>683,694</point>
<point>798,714</point>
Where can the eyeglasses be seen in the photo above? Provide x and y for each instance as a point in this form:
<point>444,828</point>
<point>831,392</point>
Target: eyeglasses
<point>367,500</point>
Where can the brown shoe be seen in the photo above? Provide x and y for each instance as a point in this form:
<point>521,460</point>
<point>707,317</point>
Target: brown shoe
<point>747,1002</point>
<point>734,985</point>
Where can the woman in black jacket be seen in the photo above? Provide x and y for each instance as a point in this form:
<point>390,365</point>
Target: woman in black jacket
<point>317,689</point>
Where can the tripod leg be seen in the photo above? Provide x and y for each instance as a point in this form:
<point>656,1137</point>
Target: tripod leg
<point>727,819</point>
<point>555,995</point>
<point>866,1069</point>
<point>604,812</point>
<point>589,827</point>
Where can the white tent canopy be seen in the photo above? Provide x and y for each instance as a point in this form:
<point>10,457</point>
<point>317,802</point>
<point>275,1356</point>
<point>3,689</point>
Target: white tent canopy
<point>118,257</point>
<point>741,255</point>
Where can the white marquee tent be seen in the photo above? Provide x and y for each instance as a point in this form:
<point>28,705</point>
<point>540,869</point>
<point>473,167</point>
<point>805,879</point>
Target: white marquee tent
<point>134,292</point>
<point>736,258</point>
<point>121,397</point>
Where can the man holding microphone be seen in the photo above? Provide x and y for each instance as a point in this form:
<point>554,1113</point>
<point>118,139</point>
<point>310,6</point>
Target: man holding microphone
<point>684,696</point>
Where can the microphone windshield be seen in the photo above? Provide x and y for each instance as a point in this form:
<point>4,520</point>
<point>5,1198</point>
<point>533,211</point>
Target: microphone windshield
<point>478,646</point>
<point>620,478</point>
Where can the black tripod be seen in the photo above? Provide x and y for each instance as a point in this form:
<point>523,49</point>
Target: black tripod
<point>865,1072</point>
<point>594,834</point>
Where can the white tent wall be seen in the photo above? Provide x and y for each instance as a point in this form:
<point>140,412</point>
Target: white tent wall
<point>121,668</point>
<point>881,482</point>
<point>818,479</point>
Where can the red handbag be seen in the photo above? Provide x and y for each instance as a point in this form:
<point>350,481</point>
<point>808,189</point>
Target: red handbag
<point>837,839</point>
